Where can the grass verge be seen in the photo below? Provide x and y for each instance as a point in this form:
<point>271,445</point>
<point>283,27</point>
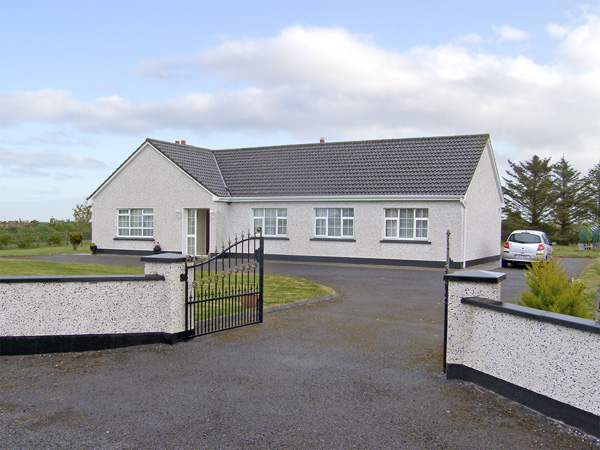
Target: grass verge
<point>281,289</point>
<point>572,251</point>
<point>591,279</point>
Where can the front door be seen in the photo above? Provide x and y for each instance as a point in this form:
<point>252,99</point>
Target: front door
<point>196,231</point>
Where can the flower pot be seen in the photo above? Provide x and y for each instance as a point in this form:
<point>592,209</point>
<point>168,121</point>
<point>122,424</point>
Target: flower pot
<point>249,300</point>
<point>93,249</point>
<point>157,250</point>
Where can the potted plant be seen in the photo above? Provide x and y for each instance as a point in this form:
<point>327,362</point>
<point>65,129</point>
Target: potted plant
<point>93,248</point>
<point>249,300</point>
<point>157,248</point>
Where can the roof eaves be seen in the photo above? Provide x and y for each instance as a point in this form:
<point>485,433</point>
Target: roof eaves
<point>338,198</point>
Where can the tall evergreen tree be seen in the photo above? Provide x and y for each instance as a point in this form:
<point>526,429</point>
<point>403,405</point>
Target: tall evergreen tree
<point>529,190</point>
<point>568,193</point>
<point>592,192</point>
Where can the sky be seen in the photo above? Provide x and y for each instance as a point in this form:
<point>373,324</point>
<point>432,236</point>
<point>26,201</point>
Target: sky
<point>84,83</point>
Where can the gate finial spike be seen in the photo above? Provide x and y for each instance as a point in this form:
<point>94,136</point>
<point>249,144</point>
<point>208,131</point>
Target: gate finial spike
<point>242,235</point>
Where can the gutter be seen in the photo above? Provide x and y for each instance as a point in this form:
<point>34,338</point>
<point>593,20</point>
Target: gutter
<point>350,198</point>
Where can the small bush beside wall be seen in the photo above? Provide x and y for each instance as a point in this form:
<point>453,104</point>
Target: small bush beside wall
<point>550,289</point>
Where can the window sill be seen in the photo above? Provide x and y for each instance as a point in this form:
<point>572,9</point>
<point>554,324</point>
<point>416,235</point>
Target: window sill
<point>133,238</point>
<point>332,239</point>
<point>276,238</point>
<point>404,241</point>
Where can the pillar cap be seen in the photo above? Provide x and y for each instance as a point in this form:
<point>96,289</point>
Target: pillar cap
<point>164,258</point>
<point>477,276</point>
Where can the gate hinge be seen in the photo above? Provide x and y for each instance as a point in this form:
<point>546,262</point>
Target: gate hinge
<point>183,277</point>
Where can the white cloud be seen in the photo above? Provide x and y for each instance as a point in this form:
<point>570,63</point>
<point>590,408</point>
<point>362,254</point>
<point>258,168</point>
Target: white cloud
<point>508,33</point>
<point>308,81</point>
<point>38,161</point>
<point>579,45</point>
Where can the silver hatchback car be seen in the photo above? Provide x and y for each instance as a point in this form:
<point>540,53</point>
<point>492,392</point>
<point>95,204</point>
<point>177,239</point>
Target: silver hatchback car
<point>525,246</point>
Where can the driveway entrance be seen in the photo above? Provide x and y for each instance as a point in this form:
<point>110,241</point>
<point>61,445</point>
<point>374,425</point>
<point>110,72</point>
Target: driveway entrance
<point>362,370</point>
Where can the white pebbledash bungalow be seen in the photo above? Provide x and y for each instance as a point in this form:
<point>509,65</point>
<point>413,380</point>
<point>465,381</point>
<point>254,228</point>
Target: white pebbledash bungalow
<point>375,202</point>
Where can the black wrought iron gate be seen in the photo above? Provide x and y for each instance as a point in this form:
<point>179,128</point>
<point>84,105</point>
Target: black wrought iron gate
<point>225,290</point>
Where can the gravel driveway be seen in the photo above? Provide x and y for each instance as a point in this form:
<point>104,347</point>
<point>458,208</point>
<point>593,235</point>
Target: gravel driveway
<point>362,370</point>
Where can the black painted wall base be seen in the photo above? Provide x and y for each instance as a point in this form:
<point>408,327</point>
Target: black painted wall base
<point>585,421</point>
<point>30,345</point>
<point>379,261</point>
<point>339,259</point>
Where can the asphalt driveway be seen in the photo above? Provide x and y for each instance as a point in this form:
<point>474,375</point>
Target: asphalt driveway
<point>362,370</point>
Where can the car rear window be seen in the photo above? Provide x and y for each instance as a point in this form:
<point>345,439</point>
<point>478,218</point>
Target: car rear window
<point>525,238</point>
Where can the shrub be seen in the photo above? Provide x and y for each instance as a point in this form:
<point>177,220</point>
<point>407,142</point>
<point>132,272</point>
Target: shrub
<point>551,290</point>
<point>75,239</point>
<point>561,240</point>
<point>26,242</point>
<point>6,240</point>
<point>55,239</point>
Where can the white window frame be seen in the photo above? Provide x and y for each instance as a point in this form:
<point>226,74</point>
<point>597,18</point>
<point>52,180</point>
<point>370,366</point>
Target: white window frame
<point>141,227</point>
<point>279,228</point>
<point>326,225</point>
<point>406,224</point>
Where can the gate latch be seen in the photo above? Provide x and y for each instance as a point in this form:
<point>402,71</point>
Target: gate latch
<point>183,277</point>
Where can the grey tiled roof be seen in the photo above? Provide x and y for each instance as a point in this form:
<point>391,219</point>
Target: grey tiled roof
<point>197,162</point>
<point>414,166</point>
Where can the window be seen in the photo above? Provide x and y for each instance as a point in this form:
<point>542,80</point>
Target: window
<point>334,222</point>
<point>406,223</point>
<point>135,222</point>
<point>273,221</point>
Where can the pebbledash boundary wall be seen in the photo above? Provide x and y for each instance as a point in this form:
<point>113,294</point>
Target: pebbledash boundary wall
<point>549,362</point>
<point>48,314</point>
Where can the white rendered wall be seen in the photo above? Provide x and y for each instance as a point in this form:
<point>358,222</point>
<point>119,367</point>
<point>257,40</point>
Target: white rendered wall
<point>149,180</point>
<point>558,362</point>
<point>484,208</point>
<point>64,308</point>
<point>368,230</point>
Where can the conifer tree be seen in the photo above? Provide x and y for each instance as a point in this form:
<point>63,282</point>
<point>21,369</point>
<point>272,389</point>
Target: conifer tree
<point>568,194</point>
<point>551,290</point>
<point>592,192</point>
<point>529,190</point>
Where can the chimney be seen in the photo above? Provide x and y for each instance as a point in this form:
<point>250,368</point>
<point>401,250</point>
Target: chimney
<point>182,142</point>
<point>177,142</point>
<point>322,140</point>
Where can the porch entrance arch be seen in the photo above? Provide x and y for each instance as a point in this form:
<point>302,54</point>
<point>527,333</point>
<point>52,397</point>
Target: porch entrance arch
<point>196,231</point>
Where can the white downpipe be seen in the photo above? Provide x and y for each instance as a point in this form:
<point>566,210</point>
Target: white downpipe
<point>463,203</point>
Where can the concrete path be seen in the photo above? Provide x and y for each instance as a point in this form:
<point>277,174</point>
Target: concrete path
<point>362,370</point>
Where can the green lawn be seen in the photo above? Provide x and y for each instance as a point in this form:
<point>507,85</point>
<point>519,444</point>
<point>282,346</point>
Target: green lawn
<point>46,250</point>
<point>591,279</point>
<point>572,251</point>
<point>278,289</point>
<point>22,267</point>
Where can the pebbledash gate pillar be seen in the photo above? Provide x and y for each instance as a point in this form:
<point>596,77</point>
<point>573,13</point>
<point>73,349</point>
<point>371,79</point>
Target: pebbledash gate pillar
<point>171,266</point>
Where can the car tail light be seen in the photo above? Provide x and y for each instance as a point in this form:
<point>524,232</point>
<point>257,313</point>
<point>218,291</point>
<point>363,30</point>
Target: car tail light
<point>541,248</point>
<point>507,245</point>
